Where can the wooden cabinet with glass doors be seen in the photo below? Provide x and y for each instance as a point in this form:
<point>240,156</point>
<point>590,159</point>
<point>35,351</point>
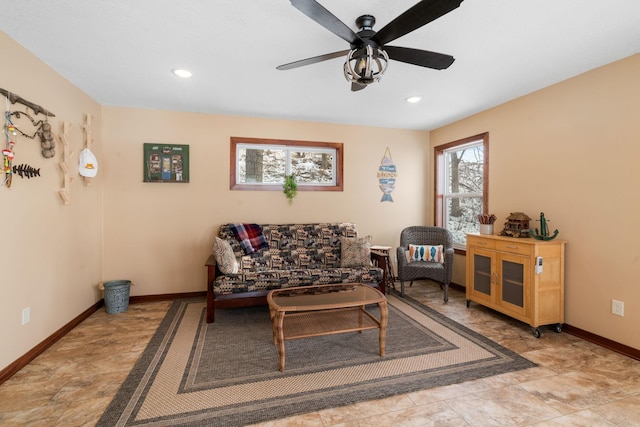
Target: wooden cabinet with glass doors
<point>502,275</point>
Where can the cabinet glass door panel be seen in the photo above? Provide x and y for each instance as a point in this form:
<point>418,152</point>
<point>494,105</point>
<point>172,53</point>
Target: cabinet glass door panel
<point>482,274</point>
<point>513,283</point>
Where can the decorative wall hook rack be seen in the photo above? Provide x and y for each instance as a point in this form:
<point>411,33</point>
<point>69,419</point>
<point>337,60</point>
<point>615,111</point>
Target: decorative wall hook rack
<point>88,139</point>
<point>64,192</point>
<point>20,100</point>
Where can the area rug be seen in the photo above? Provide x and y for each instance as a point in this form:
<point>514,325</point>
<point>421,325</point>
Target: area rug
<point>226,373</point>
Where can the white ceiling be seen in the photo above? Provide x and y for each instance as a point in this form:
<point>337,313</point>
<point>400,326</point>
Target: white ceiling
<point>121,52</point>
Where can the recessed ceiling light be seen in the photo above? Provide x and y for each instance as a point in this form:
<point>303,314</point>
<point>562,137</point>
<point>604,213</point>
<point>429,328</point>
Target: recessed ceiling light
<point>185,74</point>
<point>413,99</point>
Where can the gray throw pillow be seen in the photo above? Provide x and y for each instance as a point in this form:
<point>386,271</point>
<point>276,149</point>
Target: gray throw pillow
<point>225,258</point>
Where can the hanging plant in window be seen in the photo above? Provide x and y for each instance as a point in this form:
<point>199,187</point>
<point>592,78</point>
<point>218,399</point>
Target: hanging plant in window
<point>290,187</point>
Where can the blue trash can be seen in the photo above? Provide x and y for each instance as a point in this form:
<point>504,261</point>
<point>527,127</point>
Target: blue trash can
<point>116,295</point>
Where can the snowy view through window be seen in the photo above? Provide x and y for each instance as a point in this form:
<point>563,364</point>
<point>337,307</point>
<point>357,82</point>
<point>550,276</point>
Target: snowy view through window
<point>464,190</point>
<point>269,165</point>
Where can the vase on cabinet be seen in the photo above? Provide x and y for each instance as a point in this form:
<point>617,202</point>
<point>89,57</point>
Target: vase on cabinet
<point>486,229</point>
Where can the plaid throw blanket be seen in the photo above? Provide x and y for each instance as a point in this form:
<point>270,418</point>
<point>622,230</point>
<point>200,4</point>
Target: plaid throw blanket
<point>250,237</point>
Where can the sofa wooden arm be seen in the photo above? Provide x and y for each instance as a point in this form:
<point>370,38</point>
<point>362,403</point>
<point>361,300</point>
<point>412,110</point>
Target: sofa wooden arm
<point>211,276</point>
<point>211,267</point>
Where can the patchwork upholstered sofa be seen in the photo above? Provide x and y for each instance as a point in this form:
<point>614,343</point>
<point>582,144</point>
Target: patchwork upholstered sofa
<point>249,260</point>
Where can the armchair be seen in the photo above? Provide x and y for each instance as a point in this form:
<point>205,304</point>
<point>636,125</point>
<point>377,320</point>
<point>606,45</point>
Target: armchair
<point>411,270</point>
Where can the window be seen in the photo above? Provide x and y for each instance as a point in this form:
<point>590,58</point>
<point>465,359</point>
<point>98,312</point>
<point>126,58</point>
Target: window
<point>261,164</point>
<point>462,186</point>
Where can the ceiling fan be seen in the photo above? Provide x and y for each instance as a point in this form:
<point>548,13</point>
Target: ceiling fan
<point>369,54</point>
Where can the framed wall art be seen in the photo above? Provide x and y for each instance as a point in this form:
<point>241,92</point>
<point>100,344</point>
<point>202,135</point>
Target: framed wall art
<point>166,163</point>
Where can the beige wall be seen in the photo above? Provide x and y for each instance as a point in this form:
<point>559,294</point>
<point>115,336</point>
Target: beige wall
<point>50,254</point>
<point>572,151</point>
<point>159,235</point>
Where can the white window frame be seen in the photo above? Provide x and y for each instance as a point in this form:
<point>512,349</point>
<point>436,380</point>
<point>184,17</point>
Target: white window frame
<point>443,179</point>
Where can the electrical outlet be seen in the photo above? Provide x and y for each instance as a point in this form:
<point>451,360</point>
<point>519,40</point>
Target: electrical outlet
<point>617,308</point>
<point>26,315</point>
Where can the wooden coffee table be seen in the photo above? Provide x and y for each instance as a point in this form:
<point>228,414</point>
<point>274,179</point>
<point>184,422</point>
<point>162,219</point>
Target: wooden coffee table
<point>311,311</point>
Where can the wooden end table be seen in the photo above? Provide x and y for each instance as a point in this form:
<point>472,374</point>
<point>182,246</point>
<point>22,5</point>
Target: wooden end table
<point>311,311</point>
<point>381,255</point>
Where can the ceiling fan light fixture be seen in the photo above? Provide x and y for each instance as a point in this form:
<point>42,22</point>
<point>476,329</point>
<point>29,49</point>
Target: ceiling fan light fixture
<point>365,65</point>
<point>185,74</point>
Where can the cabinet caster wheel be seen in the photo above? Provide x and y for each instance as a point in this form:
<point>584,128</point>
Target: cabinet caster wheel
<point>536,332</point>
<point>468,303</point>
<point>559,328</point>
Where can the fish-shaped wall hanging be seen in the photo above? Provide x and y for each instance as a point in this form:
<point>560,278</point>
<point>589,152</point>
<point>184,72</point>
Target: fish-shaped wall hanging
<point>387,176</point>
<point>26,171</point>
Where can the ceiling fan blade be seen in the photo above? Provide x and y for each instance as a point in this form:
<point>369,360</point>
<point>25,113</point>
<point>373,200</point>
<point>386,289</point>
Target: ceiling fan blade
<point>414,18</point>
<point>322,16</point>
<point>423,58</point>
<point>356,87</point>
<point>313,60</point>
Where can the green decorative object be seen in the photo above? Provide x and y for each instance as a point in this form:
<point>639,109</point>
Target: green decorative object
<point>290,187</point>
<point>544,230</point>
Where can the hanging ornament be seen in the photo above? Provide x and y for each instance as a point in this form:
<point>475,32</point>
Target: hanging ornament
<point>387,174</point>
<point>7,154</point>
<point>6,168</point>
<point>42,130</point>
<point>47,142</point>
<point>26,171</point>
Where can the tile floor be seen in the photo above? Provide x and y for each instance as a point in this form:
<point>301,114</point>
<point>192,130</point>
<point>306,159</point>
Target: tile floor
<point>576,383</point>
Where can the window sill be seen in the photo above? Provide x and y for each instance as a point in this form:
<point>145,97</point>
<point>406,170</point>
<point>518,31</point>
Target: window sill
<point>460,251</point>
